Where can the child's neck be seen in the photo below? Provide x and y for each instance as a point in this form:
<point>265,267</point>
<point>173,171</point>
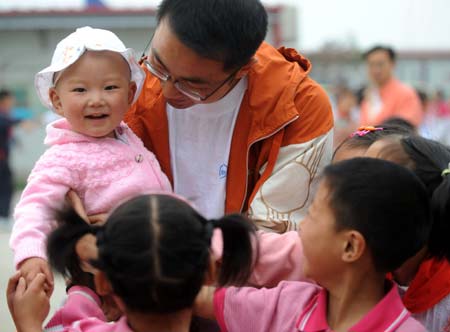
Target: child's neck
<point>176,322</point>
<point>352,298</point>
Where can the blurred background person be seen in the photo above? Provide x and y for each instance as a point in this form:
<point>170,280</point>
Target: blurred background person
<point>7,102</point>
<point>386,96</point>
<point>346,113</point>
<point>439,105</point>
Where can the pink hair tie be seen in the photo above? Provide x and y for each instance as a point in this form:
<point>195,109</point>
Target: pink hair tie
<point>364,130</point>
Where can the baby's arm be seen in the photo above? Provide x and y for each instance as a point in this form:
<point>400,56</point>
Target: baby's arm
<point>280,258</point>
<point>45,192</point>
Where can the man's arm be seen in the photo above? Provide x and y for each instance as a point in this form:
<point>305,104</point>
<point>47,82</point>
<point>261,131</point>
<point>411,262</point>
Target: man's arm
<point>281,202</point>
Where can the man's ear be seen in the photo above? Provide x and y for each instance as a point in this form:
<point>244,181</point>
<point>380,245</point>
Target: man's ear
<point>131,92</point>
<point>246,68</point>
<point>56,101</point>
<point>354,246</point>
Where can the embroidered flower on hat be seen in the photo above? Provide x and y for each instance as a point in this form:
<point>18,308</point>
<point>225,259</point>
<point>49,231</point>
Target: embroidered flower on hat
<point>68,53</point>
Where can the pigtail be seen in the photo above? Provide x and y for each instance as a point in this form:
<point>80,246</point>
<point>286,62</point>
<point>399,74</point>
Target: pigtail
<point>439,245</point>
<point>61,246</point>
<point>239,244</point>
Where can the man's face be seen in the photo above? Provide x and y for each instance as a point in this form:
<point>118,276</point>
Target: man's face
<point>380,67</point>
<point>169,55</point>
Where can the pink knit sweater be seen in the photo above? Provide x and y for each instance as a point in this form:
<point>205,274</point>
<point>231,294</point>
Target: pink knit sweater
<point>102,171</point>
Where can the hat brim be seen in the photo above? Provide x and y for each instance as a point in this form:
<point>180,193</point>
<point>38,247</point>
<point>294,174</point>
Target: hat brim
<point>43,80</point>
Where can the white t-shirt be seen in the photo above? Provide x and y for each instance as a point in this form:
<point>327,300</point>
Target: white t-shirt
<point>200,139</point>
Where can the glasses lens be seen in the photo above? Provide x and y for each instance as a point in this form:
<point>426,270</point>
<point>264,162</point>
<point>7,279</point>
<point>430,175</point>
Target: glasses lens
<point>162,76</point>
<point>188,92</point>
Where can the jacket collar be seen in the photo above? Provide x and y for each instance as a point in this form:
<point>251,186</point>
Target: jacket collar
<point>387,315</point>
<point>272,84</point>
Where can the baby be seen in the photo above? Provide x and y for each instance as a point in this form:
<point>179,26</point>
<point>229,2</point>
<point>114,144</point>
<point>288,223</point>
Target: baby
<point>91,82</point>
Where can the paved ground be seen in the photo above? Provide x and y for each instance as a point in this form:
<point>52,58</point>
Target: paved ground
<point>6,270</point>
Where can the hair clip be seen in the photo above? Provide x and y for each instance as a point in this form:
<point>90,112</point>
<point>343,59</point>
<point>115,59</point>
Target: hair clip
<point>364,130</point>
<point>446,171</point>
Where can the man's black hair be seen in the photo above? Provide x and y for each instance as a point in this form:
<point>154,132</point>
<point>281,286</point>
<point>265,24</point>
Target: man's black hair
<point>389,50</point>
<point>224,30</point>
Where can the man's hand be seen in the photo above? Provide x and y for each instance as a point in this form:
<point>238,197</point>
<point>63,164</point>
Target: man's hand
<point>27,302</point>
<point>31,267</point>
<point>75,201</point>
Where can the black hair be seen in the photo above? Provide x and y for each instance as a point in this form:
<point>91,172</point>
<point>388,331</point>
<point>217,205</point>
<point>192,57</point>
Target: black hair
<point>355,141</point>
<point>4,93</point>
<point>224,30</point>
<point>389,50</point>
<point>383,201</point>
<point>155,251</point>
<point>422,96</point>
<point>396,122</point>
<point>428,159</point>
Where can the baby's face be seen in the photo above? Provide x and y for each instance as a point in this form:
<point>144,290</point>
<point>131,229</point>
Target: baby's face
<point>94,93</point>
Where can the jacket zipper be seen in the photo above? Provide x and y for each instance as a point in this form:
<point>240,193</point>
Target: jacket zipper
<point>248,151</point>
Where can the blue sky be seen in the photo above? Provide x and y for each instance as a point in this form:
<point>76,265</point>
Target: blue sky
<point>405,24</point>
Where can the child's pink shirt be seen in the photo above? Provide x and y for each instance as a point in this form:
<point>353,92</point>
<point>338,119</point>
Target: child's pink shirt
<point>301,306</point>
<point>104,172</point>
<point>82,313</point>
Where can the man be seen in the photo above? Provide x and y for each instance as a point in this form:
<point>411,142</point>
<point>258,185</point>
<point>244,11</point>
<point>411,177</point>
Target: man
<point>386,96</point>
<point>237,125</point>
<point>7,101</point>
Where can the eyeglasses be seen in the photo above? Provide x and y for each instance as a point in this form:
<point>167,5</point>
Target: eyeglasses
<point>180,85</point>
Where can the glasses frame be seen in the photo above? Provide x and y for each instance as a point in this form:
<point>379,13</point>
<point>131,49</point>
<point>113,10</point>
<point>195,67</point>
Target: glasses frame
<point>167,77</point>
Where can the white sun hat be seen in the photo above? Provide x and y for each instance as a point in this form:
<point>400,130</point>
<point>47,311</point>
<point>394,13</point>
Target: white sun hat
<point>71,48</point>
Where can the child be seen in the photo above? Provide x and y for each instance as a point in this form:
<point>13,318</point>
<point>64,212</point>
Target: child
<point>91,82</point>
<point>152,255</point>
<point>281,255</point>
<point>358,142</point>
<point>426,275</point>
<point>367,218</point>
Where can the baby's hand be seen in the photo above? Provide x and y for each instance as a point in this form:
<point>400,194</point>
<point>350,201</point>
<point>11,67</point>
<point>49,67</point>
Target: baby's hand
<point>30,267</point>
<point>27,302</point>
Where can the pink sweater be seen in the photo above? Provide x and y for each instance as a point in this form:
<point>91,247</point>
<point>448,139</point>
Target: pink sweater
<point>301,306</point>
<point>102,171</point>
<point>82,313</point>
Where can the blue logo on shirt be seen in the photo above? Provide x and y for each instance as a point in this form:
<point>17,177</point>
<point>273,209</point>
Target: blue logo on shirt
<point>223,171</point>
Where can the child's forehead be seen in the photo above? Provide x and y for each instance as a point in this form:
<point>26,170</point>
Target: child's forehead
<point>322,196</point>
<point>348,152</point>
<point>376,149</point>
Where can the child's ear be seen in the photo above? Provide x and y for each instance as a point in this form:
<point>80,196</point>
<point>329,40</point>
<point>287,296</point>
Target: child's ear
<point>354,246</point>
<point>56,101</point>
<point>131,92</point>
<point>102,284</point>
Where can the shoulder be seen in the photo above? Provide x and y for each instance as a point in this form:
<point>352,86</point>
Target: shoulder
<point>285,292</point>
<point>404,89</point>
<point>411,325</point>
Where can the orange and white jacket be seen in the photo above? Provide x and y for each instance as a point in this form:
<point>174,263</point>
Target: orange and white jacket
<point>281,140</point>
